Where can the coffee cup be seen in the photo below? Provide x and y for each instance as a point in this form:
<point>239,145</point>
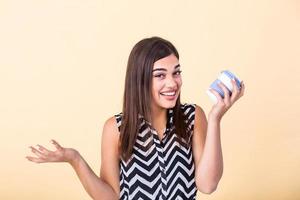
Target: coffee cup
<point>225,77</point>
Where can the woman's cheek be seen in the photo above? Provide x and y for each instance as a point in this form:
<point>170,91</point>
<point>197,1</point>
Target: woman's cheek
<point>179,82</point>
<point>157,87</point>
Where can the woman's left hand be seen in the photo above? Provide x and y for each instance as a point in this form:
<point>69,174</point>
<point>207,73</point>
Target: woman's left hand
<point>221,107</point>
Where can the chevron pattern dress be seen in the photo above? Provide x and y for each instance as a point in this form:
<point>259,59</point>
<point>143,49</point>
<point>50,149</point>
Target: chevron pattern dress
<point>159,169</point>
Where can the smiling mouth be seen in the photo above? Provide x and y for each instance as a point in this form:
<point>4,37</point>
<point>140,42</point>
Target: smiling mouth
<point>170,94</point>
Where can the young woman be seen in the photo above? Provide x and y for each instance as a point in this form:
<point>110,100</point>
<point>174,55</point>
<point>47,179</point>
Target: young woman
<point>157,148</point>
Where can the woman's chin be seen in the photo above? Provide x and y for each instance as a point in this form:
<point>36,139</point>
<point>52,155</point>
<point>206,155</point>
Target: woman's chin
<point>169,104</point>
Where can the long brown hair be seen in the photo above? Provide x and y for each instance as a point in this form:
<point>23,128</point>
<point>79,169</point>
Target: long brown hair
<point>137,92</point>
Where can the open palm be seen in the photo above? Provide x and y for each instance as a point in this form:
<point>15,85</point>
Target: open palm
<point>44,155</point>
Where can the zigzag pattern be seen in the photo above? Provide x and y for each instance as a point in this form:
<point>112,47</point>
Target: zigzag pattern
<point>159,170</point>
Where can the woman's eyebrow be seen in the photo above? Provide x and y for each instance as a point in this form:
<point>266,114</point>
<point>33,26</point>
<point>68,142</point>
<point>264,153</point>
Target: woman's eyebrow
<point>164,69</point>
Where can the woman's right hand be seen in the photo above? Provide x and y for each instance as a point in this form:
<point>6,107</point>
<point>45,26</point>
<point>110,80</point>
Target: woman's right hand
<point>61,154</point>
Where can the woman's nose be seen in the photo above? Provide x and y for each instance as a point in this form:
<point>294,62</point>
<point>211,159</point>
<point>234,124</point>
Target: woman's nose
<point>170,82</point>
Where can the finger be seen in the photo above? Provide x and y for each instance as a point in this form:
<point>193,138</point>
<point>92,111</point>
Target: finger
<point>226,93</point>
<point>36,160</point>
<point>242,89</point>
<point>235,91</point>
<point>58,147</point>
<point>44,150</point>
<point>219,97</point>
<point>37,152</point>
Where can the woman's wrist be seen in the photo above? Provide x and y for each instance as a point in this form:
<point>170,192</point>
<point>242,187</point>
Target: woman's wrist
<point>72,156</point>
<point>213,117</point>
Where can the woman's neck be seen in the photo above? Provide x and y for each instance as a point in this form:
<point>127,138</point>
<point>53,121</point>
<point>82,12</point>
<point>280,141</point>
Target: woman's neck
<point>159,118</point>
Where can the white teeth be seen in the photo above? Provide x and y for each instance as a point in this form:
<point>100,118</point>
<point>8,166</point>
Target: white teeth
<point>168,93</point>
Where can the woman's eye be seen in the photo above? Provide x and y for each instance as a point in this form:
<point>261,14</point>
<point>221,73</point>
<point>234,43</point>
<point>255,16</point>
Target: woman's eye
<point>177,73</point>
<point>164,75</point>
<point>159,75</point>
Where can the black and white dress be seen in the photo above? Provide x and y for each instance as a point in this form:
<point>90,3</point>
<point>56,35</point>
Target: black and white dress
<point>159,169</point>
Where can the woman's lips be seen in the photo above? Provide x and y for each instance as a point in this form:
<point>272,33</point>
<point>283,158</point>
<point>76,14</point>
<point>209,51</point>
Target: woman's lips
<point>169,95</point>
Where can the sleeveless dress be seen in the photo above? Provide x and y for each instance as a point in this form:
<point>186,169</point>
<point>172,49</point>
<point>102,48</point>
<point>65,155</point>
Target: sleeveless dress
<point>159,170</point>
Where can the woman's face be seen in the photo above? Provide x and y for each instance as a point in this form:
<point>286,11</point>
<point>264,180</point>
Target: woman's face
<point>166,82</point>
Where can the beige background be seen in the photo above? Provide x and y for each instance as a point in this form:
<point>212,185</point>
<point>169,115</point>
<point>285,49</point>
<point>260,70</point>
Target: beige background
<point>62,69</point>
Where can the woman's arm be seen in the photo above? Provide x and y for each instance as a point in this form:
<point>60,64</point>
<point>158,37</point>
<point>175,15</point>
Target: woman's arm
<point>207,150</point>
<point>97,187</point>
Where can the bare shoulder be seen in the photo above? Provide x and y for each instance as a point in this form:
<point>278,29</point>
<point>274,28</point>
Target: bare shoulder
<point>200,124</point>
<point>110,133</point>
<point>109,171</point>
<point>110,128</point>
<point>199,136</point>
<point>200,116</point>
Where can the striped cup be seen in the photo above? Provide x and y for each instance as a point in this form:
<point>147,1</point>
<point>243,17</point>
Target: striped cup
<point>224,77</point>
